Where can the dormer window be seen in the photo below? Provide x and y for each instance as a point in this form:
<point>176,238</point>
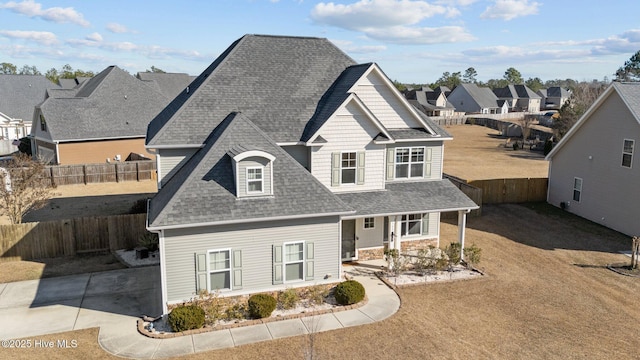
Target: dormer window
<point>43,123</point>
<point>253,172</point>
<point>255,180</point>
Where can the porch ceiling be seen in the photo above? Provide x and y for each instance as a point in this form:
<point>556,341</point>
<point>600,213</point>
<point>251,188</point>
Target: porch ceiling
<point>409,197</point>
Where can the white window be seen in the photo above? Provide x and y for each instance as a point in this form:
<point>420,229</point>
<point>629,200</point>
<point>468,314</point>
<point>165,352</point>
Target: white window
<point>294,261</point>
<point>255,180</point>
<point>577,189</point>
<point>410,162</point>
<point>348,168</point>
<point>627,152</point>
<point>369,223</point>
<point>411,224</point>
<point>219,270</point>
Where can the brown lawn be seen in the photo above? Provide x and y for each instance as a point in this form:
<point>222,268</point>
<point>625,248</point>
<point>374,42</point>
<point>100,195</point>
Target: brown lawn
<point>546,294</point>
<point>478,153</point>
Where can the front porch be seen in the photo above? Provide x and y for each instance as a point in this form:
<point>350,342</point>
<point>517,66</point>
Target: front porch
<point>404,216</point>
<point>367,238</point>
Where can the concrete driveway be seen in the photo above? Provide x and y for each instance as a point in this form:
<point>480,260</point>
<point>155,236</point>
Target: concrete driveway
<point>37,307</point>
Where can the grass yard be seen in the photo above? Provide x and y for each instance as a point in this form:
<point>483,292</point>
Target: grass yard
<point>478,153</point>
<point>547,294</point>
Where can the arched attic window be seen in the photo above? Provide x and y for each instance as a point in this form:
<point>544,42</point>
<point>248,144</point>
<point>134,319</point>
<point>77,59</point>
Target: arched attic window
<point>253,172</point>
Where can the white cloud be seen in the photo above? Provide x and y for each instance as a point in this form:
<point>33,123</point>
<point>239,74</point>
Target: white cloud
<point>94,37</point>
<point>351,48</point>
<point>375,13</point>
<point>31,8</point>
<point>41,37</point>
<point>510,9</point>
<point>118,28</point>
<point>152,51</point>
<point>392,21</point>
<point>420,35</point>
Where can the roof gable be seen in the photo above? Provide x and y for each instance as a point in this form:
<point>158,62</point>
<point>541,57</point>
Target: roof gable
<point>628,92</point>
<point>19,94</point>
<point>112,104</point>
<point>202,192</point>
<point>275,80</point>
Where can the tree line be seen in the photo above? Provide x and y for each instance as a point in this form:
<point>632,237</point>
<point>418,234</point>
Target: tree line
<point>53,74</point>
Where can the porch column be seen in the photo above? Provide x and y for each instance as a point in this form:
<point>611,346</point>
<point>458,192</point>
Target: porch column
<point>397,231</point>
<point>462,224</point>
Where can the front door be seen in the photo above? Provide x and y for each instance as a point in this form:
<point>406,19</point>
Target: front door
<point>348,240</point>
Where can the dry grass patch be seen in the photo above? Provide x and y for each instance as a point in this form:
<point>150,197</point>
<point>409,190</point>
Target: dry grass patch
<point>478,153</point>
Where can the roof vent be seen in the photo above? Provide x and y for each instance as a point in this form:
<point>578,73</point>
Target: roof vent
<point>187,89</point>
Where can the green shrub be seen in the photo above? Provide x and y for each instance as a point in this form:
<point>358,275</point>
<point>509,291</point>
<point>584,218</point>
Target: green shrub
<point>186,317</point>
<point>261,305</point>
<point>288,299</point>
<point>472,255</point>
<point>349,292</point>
<point>453,252</point>
<point>149,240</point>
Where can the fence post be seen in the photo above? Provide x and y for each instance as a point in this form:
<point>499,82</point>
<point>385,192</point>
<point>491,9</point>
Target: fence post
<point>84,173</point>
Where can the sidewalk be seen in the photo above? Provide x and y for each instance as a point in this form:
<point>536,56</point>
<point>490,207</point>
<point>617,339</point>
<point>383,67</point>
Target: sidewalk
<point>115,300</point>
<point>122,338</point>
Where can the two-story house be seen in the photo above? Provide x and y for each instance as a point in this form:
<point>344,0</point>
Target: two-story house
<point>594,171</point>
<point>285,158</point>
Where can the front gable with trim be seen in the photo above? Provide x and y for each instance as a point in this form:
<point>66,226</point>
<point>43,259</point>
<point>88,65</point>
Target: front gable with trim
<point>382,98</point>
<point>351,129</point>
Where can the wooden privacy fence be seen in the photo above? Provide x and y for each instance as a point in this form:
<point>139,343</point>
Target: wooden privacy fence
<point>499,191</point>
<point>69,237</point>
<point>471,191</point>
<point>100,173</point>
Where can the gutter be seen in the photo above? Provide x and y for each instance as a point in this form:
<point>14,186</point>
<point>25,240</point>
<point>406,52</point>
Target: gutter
<point>243,221</point>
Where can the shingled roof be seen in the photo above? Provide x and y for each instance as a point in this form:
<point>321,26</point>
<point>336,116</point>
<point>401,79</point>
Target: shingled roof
<point>19,94</point>
<point>203,192</point>
<point>112,104</point>
<point>276,81</point>
<point>169,84</point>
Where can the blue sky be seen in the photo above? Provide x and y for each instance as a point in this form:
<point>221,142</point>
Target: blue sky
<point>413,41</point>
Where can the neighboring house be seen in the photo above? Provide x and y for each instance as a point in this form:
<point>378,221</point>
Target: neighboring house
<point>19,94</point>
<point>472,99</point>
<point>520,97</point>
<point>443,89</point>
<point>553,98</point>
<point>103,118</point>
<point>72,83</point>
<point>169,84</point>
<point>325,162</point>
<point>594,171</point>
<point>430,102</point>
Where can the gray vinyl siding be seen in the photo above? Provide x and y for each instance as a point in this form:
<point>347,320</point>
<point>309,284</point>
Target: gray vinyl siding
<point>300,153</point>
<point>609,190</point>
<point>249,162</point>
<point>368,238</point>
<point>256,242</point>
<point>436,157</point>
<point>171,160</point>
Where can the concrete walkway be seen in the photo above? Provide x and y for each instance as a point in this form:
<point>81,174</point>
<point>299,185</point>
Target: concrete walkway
<point>38,307</point>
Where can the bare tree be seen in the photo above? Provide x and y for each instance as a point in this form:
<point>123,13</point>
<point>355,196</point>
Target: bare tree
<point>526,123</point>
<point>24,187</point>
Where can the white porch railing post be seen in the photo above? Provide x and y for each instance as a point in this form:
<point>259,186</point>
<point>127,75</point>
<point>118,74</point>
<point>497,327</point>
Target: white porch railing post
<point>462,224</point>
<point>398,233</point>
